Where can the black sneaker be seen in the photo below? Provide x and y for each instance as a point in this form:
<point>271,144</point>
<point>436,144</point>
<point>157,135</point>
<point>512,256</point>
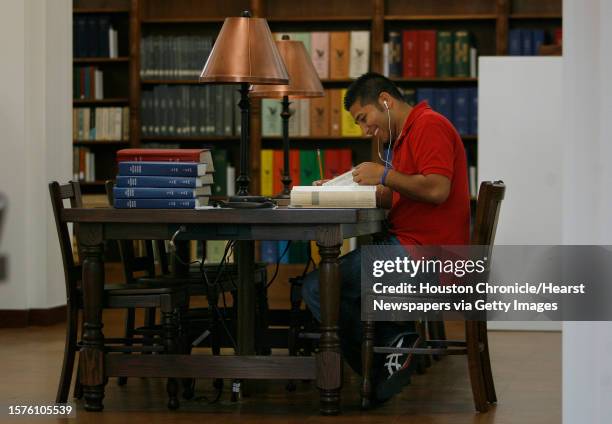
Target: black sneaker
<point>395,369</point>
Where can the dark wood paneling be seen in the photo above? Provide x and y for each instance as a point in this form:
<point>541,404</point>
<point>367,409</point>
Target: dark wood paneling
<point>32,317</point>
<point>326,9</point>
<point>192,9</point>
<point>101,5</point>
<point>536,7</point>
<point>439,7</point>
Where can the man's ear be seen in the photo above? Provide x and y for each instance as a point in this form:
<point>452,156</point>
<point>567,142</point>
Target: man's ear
<point>385,97</point>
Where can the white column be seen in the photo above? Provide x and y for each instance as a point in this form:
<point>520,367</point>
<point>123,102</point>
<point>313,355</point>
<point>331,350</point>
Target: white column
<point>587,37</point>
<point>36,146</point>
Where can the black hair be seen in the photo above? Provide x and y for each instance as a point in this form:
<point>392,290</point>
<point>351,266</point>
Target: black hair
<point>368,87</point>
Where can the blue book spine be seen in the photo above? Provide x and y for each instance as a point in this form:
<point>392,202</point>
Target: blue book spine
<point>527,41</point>
<point>179,182</point>
<point>282,248</point>
<point>154,203</point>
<point>425,94</point>
<point>539,37</point>
<point>461,110</point>
<point>473,111</point>
<point>269,251</point>
<point>163,169</point>
<point>395,54</point>
<point>153,193</point>
<point>443,102</point>
<point>515,43</point>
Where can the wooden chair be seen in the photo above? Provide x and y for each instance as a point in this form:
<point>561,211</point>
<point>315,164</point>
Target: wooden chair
<point>475,345</point>
<point>170,299</point>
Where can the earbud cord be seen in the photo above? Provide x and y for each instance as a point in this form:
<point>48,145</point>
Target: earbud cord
<point>386,162</point>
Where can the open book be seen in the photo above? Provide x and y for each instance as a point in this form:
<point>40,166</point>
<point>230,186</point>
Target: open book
<point>340,192</point>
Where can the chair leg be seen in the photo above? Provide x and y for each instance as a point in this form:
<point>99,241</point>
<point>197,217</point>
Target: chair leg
<point>170,343</point>
<point>78,387</point>
<point>129,333</point>
<point>472,339</point>
<point>486,363</point>
<point>367,359</point>
<point>70,348</point>
<point>436,332</point>
<point>422,361</point>
<point>185,346</point>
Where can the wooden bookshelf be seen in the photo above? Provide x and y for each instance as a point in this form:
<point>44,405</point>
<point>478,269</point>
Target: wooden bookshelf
<point>488,20</point>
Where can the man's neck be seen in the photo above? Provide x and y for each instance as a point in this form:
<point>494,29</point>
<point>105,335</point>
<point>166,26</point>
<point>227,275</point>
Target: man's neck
<point>403,111</point>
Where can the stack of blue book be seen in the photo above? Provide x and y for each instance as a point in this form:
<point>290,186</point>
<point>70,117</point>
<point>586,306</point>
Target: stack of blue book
<point>162,184</point>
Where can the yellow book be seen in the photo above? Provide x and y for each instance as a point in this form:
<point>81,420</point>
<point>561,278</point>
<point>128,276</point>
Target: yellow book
<point>267,164</point>
<point>349,127</point>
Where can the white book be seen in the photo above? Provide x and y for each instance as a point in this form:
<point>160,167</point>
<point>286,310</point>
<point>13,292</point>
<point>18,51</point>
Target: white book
<point>359,53</point>
<point>98,84</point>
<point>319,43</point>
<point>231,180</point>
<point>333,197</point>
<point>304,111</point>
<point>386,60</point>
<point>113,43</point>
<point>345,180</point>
<point>294,119</point>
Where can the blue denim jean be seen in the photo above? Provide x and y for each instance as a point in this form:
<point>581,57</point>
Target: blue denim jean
<point>350,326</point>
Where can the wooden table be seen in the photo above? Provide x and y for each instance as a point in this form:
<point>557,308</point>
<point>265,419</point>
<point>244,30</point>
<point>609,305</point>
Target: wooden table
<point>328,227</point>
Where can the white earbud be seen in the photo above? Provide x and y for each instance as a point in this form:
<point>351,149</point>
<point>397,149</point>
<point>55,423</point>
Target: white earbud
<point>386,105</point>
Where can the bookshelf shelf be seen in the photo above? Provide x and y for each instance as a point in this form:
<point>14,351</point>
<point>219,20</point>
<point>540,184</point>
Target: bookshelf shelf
<point>535,16</point>
<point>206,139</point>
<point>469,137</point>
<point>94,102</point>
<point>100,143</point>
<point>355,18</point>
<point>78,60</point>
<point>185,20</point>
<point>169,82</point>
<point>453,17</point>
<point>84,11</point>
<point>435,80</point>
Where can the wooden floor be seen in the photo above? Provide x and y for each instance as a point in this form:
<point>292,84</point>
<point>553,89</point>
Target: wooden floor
<point>527,368</point>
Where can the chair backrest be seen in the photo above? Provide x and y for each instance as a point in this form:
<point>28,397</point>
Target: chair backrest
<point>490,196</point>
<point>59,193</point>
<point>131,262</point>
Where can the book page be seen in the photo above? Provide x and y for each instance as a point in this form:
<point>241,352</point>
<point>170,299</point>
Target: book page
<point>345,179</point>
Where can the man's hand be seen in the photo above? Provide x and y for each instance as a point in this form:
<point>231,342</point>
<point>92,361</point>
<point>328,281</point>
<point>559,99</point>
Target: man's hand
<point>368,173</point>
<point>320,182</point>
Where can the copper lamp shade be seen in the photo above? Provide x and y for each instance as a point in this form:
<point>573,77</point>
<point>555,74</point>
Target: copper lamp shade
<point>244,52</point>
<point>304,81</point>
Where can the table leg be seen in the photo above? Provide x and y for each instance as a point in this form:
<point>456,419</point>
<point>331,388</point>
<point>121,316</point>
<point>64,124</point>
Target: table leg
<point>329,360</point>
<point>245,257</point>
<point>91,364</point>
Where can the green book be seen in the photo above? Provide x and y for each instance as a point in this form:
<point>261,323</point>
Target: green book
<point>219,157</point>
<point>445,54</point>
<point>461,62</point>
<point>309,167</point>
<point>304,37</point>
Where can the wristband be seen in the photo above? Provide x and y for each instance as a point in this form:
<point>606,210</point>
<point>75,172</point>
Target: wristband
<point>384,175</point>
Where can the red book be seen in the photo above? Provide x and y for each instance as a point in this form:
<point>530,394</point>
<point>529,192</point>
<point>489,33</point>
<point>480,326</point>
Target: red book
<point>346,160</point>
<point>332,163</point>
<point>277,171</point>
<point>558,35</point>
<point>294,167</point>
<point>410,57</point>
<point>166,155</point>
<point>427,53</point>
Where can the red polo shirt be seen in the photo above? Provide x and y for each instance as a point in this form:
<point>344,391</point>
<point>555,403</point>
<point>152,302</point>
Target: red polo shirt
<point>429,144</point>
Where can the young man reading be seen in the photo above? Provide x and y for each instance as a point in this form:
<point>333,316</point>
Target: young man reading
<point>423,182</point>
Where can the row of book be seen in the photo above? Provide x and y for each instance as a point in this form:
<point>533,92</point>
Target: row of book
<point>94,36</point>
<point>83,164</point>
<point>188,110</point>
<point>336,55</point>
<point>323,116</point>
<point>303,167</point>
<point>429,54</point>
<point>87,83</point>
<point>458,105</point>
<point>298,252</point>
<point>100,123</point>
<point>173,57</point>
<point>163,179</point>
<point>527,42</point>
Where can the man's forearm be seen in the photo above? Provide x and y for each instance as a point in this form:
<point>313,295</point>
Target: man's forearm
<point>432,188</point>
<point>384,197</point>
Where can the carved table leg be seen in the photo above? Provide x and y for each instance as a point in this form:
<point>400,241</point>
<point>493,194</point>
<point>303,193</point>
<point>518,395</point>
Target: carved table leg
<point>367,358</point>
<point>329,360</point>
<point>92,355</point>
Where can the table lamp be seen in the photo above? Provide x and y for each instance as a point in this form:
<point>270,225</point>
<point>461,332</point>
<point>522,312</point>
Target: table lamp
<point>304,83</point>
<point>244,53</point>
